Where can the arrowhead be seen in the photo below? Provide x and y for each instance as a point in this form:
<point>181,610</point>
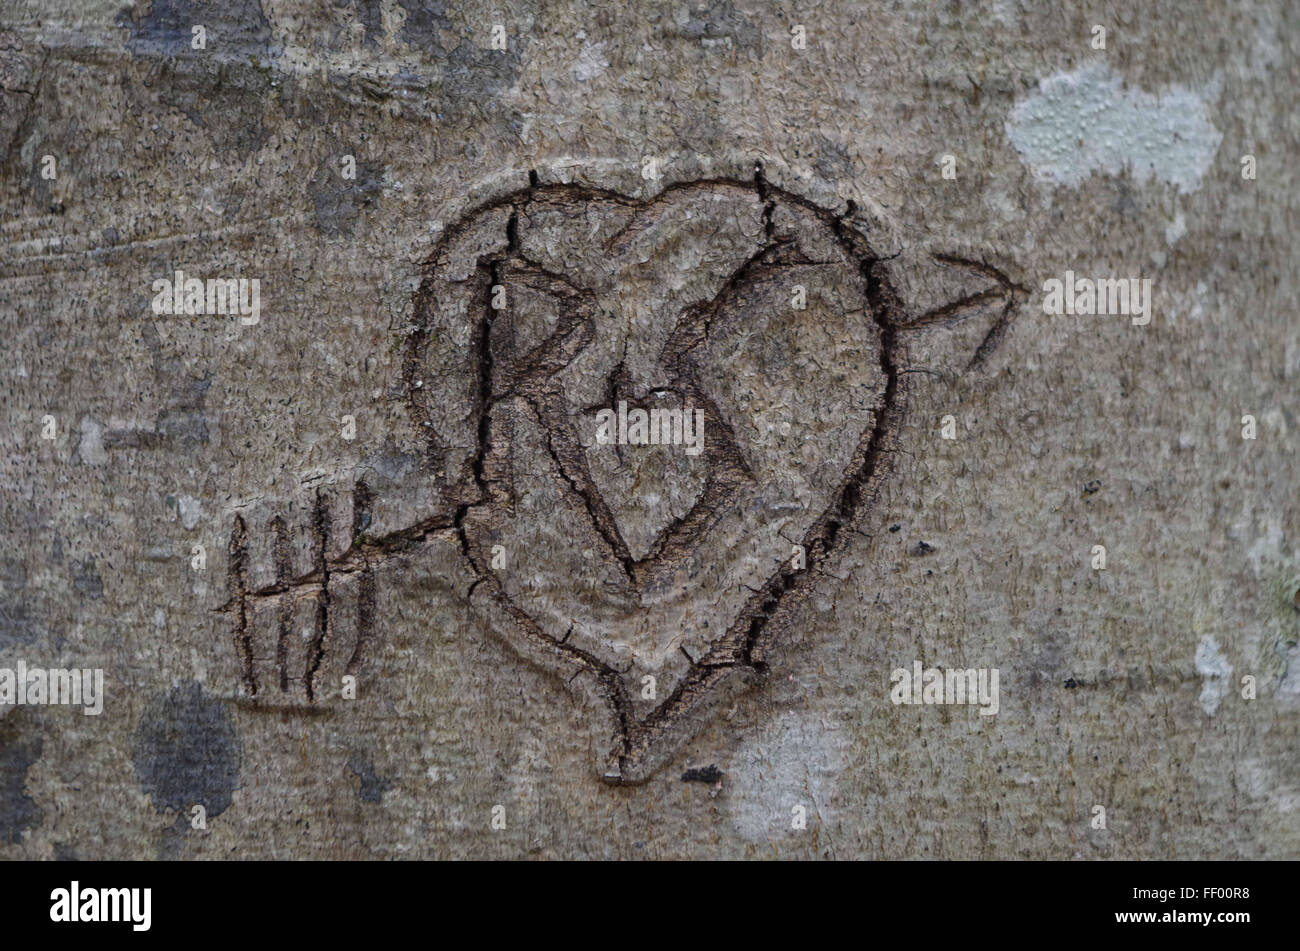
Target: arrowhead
<point>971,300</point>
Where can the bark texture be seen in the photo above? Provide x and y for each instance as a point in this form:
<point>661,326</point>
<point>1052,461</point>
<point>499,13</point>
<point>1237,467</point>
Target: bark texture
<point>825,227</point>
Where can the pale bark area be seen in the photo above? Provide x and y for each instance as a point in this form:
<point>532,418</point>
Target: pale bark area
<point>518,684</point>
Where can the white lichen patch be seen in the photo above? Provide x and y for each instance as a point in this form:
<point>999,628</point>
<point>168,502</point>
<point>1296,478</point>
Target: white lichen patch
<point>591,62</point>
<point>783,778</point>
<point>1088,121</point>
<point>1214,667</point>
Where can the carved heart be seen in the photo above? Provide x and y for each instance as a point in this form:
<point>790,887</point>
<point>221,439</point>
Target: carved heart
<point>769,314</point>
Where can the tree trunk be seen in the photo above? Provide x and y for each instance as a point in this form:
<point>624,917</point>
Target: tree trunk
<point>716,431</point>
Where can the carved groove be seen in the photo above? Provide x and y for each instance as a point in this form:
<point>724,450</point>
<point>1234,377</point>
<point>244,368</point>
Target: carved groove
<point>502,374</point>
<point>765,615</point>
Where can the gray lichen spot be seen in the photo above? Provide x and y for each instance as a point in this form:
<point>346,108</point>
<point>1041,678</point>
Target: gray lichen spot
<point>370,13</point>
<point>165,27</point>
<point>86,580</point>
<point>424,20</point>
<point>336,200</point>
<point>373,786</point>
<point>17,626</point>
<point>833,159</point>
<point>183,421</point>
<point>18,811</point>
<point>170,843</point>
<point>217,87</point>
<point>186,751</point>
<point>470,71</point>
<point>392,467</point>
<point>723,20</point>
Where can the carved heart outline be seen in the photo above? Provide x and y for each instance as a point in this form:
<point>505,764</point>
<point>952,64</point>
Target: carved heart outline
<point>640,745</point>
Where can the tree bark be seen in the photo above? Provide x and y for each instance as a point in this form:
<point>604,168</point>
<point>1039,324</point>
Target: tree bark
<point>379,562</point>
